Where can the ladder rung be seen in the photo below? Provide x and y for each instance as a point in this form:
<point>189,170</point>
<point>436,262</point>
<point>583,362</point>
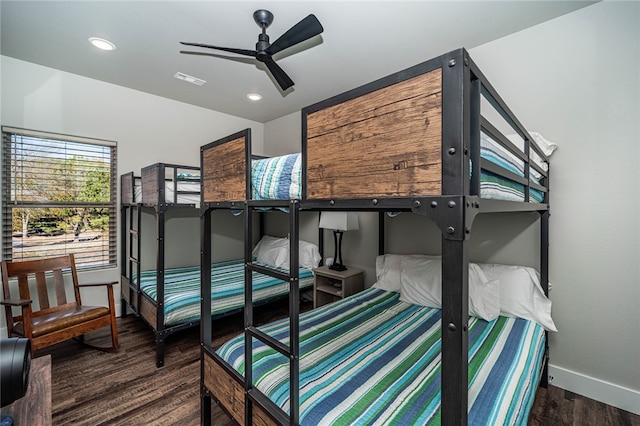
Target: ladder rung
<point>269,341</point>
<point>284,276</point>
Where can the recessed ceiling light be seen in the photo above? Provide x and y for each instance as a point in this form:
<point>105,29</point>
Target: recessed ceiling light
<point>101,43</point>
<point>189,79</point>
<point>254,96</point>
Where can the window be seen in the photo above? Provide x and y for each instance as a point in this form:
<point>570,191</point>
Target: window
<point>58,197</point>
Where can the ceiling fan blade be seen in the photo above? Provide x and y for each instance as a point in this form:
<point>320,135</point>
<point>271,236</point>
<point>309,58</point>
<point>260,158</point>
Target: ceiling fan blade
<point>226,49</point>
<point>303,30</point>
<point>278,73</point>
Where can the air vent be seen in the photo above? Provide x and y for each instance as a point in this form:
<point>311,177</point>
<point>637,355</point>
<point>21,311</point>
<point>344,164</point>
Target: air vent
<point>189,79</point>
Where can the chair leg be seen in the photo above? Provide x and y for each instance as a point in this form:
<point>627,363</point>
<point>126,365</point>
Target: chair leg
<point>114,334</point>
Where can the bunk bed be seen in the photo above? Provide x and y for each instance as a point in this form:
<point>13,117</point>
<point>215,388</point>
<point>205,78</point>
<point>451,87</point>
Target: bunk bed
<point>160,187</point>
<point>415,141</point>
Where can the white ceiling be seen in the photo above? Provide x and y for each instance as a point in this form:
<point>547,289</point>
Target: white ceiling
<point>362,41</point>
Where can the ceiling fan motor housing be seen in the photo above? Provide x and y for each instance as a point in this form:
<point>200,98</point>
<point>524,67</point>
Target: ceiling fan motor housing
<point>261,47</point>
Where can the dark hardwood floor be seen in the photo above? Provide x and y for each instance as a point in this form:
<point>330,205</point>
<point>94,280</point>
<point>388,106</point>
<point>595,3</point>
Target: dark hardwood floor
<point>125,387</point>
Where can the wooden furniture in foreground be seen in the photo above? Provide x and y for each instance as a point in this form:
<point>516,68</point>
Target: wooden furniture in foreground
<point>48,324</point>
<point>330,285</point>
<point>35,407</point>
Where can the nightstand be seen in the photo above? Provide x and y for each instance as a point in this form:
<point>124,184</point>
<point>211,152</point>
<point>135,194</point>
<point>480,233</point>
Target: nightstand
<point>330,286</point>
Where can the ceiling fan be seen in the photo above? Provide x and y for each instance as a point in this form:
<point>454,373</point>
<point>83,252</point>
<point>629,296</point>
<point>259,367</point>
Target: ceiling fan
<point>305,29</point>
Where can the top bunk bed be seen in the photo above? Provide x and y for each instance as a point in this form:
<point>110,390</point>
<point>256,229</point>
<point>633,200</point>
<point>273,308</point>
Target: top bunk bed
<point>162,185</point>
<point>438,129</point>
<point>435,139</point>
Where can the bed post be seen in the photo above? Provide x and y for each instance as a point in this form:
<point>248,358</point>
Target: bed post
<point>455,344</point>
<point>456,137</point>
<point>248,312</point>
<point>205,303</point>
<point>381,234</point>
<point>124,237</point>
<point>544,280</point>
<point>160,335</point>
<point>294,312</point>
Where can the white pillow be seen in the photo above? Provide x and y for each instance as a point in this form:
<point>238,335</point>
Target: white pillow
<point>545,145</point>
<point>388,270</point>
<point>308,255</point>
<point>521,294</point>
<point>272,251</point>
<point>421,284</point>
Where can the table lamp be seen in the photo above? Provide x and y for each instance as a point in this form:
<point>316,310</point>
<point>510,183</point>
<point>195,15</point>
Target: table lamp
<point>339,222</point>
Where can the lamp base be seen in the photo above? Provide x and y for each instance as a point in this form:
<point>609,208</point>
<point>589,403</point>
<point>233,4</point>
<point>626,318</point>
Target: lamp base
<point>337,267</point>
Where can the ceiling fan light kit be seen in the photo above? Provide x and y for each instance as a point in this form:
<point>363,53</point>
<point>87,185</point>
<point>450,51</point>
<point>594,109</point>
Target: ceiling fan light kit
<point>305,29</point>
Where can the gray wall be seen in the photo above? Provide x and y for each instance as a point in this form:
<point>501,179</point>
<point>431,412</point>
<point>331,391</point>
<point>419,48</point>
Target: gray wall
<point>576,79</point>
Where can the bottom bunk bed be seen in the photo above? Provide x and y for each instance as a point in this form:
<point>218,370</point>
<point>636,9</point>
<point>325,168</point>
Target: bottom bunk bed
<point>375,358</point>
<point>182,288</point>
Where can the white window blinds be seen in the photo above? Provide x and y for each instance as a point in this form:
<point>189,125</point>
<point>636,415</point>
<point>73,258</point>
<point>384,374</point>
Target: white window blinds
<point>58,196</point>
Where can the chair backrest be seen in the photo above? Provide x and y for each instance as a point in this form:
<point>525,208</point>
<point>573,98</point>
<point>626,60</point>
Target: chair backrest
<point>35,271</point>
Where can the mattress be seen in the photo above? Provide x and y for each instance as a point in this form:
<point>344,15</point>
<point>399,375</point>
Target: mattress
<point>372,359</point>
<point>169,192</point>
<point>182,289</point>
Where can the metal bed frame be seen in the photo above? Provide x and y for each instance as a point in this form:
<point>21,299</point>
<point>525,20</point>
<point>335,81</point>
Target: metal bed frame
<point>453,211</point>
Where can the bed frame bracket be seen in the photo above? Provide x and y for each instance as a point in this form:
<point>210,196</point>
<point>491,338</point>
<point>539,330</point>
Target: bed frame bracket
<point>454,215</point>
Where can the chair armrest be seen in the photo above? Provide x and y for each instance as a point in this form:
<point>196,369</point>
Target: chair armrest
<point>98,284</point>
<point>16,302</point>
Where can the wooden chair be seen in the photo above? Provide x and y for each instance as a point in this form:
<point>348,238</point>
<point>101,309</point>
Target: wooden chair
<point>50,324</point>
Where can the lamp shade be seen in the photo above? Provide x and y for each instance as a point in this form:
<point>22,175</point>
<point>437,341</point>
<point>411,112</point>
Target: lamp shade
<point>340,221</point>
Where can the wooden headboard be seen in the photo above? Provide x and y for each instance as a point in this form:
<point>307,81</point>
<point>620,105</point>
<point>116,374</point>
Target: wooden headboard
<point>224,168</point>
<point>400,126</point>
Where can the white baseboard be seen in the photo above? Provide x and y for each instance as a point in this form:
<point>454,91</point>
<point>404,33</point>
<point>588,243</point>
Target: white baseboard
<point>609,393</point>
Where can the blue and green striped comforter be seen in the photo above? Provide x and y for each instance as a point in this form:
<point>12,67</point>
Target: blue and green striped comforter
<point>372,359</point>
<point>182,289</point>
<point>496,187</point>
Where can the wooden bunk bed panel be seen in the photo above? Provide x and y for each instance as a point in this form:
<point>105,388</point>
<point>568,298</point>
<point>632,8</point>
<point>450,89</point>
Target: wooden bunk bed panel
<point>226,163</point>
<point>150,189</point>
<point>230,394</point>
<point>398,125</point>
<point>127,291</point>
<point>149,311</point>
<point>127,182</point>
<point>164,185</point>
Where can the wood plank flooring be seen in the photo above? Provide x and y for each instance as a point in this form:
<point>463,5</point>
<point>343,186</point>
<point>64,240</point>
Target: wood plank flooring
<point>125,387</point>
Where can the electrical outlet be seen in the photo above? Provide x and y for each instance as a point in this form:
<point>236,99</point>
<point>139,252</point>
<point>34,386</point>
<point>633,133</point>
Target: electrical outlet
<point>550,378</point>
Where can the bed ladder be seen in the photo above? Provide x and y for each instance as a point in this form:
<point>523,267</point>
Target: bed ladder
<point>135,244</point>
<point>291,351</point>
